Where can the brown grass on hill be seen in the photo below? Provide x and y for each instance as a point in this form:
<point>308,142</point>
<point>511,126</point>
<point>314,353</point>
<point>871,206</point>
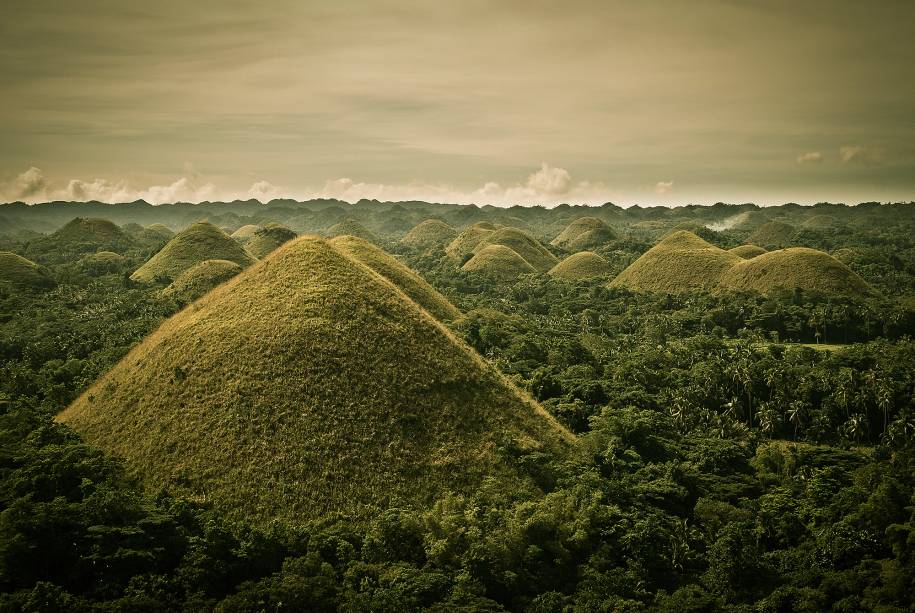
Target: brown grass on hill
<point>21,272</point>
<point>429,233</point>
<point>681,262</point>
<point>267,239</point>
<point>310,386</point>
<point>523,244</point>
<point>582,265</point>
<point>773,234</point>
<point>245,232</point>
<point>499,263</point>
<point>583,234</point>
<point>201,278</point>
<point>747,251</point>
<point>465,242</point>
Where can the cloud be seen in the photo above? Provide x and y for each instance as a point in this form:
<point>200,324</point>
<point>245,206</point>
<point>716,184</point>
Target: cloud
<point>811,157</point>
<point>185,189</point>
<point>29,186</point>
<point>263,191</point>
<point>99,190</point>
<point>858,154</point>
<point>550,180</point>
<point>664,187</point>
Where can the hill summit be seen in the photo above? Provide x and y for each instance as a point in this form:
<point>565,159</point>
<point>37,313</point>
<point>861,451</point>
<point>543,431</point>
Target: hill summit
<point>581,265</point>
<point>521,243</point>
<point>796,267</point>
<point>21,272</point>
<point>584,233</point>
<point>681,262</point>
<point>268,238</point>
<point>86,235</point>
<point>310,386</point>
<point>464,243</point>
<point>499,263</point>
<point>201,278</point>
<point>429,233</point>
<point>197,243</point>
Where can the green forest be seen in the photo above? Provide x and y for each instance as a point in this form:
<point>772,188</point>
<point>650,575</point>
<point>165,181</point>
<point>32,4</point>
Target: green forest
<point>729,396</point>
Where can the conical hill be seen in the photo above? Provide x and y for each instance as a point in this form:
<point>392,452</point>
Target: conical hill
<point>582,265</point>
<point>197,243</point>
<point>20,272</point>
<point>464,243</point>
<point>267,239</point>
<point>747,251</point>
<point>584,233</point>
<point>523,244</point>
<point>201,278</point>
<point>310,386</point>
<point>429,233</point>
<point>499,263</point>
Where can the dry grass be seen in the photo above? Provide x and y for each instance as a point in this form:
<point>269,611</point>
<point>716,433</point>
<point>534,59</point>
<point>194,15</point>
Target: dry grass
<point>582,265</point>
<point>773,234</point>
<point>351,227</point>
<point>20,272</point>
<point>681,262</point>
<point>88,234</point>
<point>429,233</point>
<point>465,242</point>
<point>199,242</point>
<point>410,283</point>
<point>308,386</point>
<point>797,267</point>
<point>499,263</point>
<point>245,232</point>
<point>201,278</point>
<point>267,239</point>
<point>521,243</point>
<point>584,233</point>
<point>821,221</point>
<point>747,252</point>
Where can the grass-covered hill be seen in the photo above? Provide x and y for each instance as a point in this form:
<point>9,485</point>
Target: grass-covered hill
<point>821,221</point>
<point>154,235</point>
<point>584,233</point>
<point>523,244</point>
<point>499,263</point>
<point>197,243</point>
<point>796,267</point>
<point>774,234</point>
<point>681,262</point>
<point>581,265</point>
<point>21,273</point>
<point>415,287</point>
<point>464,243</point>
<point>200,278</point>
<point>352,227</point>
<point>268,238</point>
<point>747,251</point>
<point>83,235</point>
<point>102,262</point>
<point>429,233</point>
<point>310,386</point>
<point>245,232</point>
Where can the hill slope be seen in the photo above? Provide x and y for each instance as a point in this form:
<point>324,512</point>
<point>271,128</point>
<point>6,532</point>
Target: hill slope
<point>523,244</point>
<point>267,239</point>
<point>429,233</point>
<point>773,234</point>
<point>85,235</point>
<point>309,386</point>
<point>245,232</point>
<point>351,227</point>
<point>201,278</point>
<point>747,251</point>
<point>498,262</point>
<point>410,283</point>
<point>465,242</point>
<point>584,233</point>
<point>582,265</point>
<point>197,243</point>
<point>21,272</point>
<point>681,262</point>
<point>797,267</point>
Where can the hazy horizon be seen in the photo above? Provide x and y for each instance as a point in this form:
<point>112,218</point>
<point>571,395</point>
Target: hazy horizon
<point>498,103</point>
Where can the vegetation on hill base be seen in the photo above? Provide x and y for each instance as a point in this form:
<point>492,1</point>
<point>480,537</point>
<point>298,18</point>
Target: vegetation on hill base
<point>582,265</point>
<point>429,233</point>
<point>774,234</point>
<point>402,277</point>
<point>103,262</point>
<point>747,252</point>
<point>351,227</point>
<point>245,232</point>
<point>499,263</point>
<point>681,262</point>
<point>20,272</point>
<point>464,243</point>
<point>583,234</point>
<point>195,244</point>
<point>523,244</point>
<point>268,238</point>
<point>79,236</point>
<point>199,279</point>
<point>283,395</point>
<point>796,267</point>
<point>821,222</point>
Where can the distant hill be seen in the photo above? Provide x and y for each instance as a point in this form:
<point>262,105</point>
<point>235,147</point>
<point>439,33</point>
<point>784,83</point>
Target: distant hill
<point>584,233</point>
<point>429,233</point>
<point>773,234</point>
<point>310,387</point>
<point>581,265</point>
<point>405,279</point>
<point>84,235</point>
<point>268,238</point>
<point>681,262</point>
<point>102,262</point>
<point>747,251</point>
<point>523,244</point>
<point>352,227</point>
<point>22,273</point>
<point>197,243</point>
<point>797,267</point>
<point>201,278</point>
<point>464,243</point>
<point>498,262</point>
<point>245,232</point>
<point>821,221</point>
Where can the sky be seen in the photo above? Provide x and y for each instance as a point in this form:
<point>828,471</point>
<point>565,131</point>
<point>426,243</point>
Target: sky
<point>503,102</point>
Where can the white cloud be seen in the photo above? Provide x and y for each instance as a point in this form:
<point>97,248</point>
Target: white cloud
<point>29,186</point>
<point>811,157</point>
<point>550,180</point>
<point>99,189</point>
<point>664,187</point>
<point>185,189</point>
<point>264,191</point>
